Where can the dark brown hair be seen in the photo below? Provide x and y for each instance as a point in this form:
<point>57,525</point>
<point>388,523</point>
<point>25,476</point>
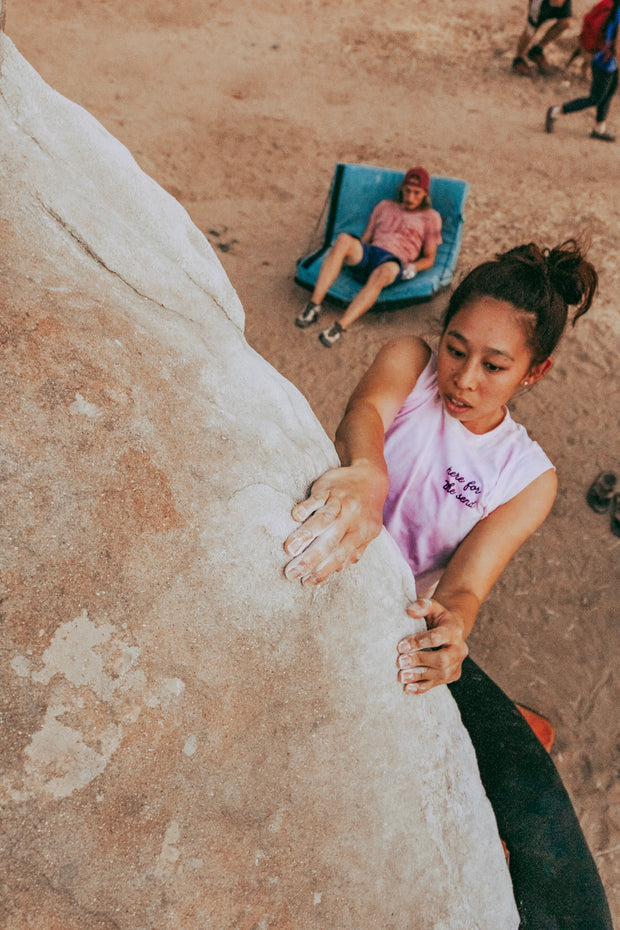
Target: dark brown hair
<point>542,283</point>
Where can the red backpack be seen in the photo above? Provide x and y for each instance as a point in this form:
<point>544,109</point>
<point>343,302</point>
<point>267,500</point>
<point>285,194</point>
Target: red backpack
<point>592,36</point>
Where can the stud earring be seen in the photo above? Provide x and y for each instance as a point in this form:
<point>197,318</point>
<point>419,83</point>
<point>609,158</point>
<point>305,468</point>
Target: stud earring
<point>525,383</point>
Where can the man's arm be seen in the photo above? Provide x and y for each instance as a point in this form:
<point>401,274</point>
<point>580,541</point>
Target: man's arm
<point>428,252</point>
<point>426,259</point>
<point>367,235</point>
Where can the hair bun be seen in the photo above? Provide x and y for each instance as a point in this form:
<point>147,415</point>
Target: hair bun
<point>571,275</point>
<point>542,283</point>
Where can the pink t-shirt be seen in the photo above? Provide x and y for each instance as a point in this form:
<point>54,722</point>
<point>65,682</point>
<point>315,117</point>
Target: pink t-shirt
<point>444,479</point>
<point>403,232</point>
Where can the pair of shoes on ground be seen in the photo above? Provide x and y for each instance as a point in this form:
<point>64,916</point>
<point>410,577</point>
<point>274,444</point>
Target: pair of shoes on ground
<point>310,315</point>
<point>602,497</point>
<point>537,55</point>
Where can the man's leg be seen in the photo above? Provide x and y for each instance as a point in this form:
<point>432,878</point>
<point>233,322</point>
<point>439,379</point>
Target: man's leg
<point>378,279</point>
<point>559,25</point>
<point>382,276</point>
<point>524,41</point>
<point>519,62</point>
<point>346,250</point>
<point>554,31</point>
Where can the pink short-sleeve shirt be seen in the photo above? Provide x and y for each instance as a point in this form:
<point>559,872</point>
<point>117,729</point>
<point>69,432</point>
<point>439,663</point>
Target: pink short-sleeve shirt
<point>404,232</point>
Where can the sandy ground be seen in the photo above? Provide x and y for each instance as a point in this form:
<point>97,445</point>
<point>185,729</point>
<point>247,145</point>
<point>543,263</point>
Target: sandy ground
<point>241,110</point>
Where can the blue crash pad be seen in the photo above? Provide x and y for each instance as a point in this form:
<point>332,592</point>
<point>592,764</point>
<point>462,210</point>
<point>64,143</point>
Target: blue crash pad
<point>355,190</point>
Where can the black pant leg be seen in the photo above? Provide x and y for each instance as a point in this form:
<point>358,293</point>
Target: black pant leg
<point>604,103</point>
<point>555,880</point>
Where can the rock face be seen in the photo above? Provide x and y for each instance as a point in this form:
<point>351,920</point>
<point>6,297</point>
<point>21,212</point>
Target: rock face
<point>190,741</point>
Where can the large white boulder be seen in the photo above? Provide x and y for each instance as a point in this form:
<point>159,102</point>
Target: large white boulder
<point>190,741</point>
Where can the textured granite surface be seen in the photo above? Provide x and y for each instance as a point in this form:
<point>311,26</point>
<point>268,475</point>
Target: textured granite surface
<point>189,740</point>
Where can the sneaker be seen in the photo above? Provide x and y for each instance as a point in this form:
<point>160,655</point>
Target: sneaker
<point>605,136</point>
<point>550,120</point>
<point>308,315</point>
<point>329,336</point>
<point>537,55</point>
<point>520,66</point>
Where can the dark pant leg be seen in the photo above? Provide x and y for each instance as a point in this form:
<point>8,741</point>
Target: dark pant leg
<point>555,880</point>
<point>604,103</point>
<point>599,92</point>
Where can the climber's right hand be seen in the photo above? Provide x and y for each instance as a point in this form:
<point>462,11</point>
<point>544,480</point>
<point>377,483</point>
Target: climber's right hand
<point>341,516</point>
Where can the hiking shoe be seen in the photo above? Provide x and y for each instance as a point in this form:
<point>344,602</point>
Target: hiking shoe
<point>604,136</point>
<point>601,491</point>
<point>537,55</point>
<point>520,66</point>
<point>308,315</point>
<point>550,120</point>
<point>329,336</point>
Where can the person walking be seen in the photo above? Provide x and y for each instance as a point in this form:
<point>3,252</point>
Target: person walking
<point>604,82</point>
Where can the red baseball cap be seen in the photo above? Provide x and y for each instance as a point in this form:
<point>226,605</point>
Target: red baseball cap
<point>418,176</point>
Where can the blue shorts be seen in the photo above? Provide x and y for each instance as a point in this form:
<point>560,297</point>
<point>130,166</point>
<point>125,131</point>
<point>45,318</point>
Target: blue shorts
<point>541,10</point>
<point>373,257</point>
